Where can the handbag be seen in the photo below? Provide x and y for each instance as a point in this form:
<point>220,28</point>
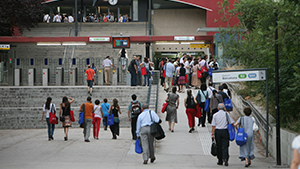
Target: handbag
<point>156,130</point>
<point>204,68</point>
<point>72,115</point>
<point>81,117</point>
<point>214,148</point>
<point>199,74</point>
<point>241,136</point>
<point>210,71</point>
<point>143,70</point>
<point>255,126</point>
<point>164,106</point>
<point>62,119</point>
<point>228,104</point>
<point>198,111</point>
<point>231,130</point>
<point>53,119</point>
<point>138,146</point>
<point>206,105</point>
<point>110,119</point>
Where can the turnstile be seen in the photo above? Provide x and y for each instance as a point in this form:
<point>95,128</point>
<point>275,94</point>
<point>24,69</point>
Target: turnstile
<point>73,76</point>
<point>18,75</point>
<point>31,76</point>
<point>128,78</point>
<point>59,76</point>
<point>45,77</point>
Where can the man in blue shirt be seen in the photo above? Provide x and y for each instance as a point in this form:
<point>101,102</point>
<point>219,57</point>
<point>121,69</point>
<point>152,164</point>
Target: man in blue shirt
<point>170,69</point>
<point>145,119</point>
<point>105,107</point>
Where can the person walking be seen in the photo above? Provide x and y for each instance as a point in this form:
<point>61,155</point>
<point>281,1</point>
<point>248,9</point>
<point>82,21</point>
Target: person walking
<point>205,64</point>
<point>213,104</point>
<point>132,68</point>
<point>134,109</point>
<point>104,108</point>
<point>90,73</point>
<point>94,67</point>
<point>139,73</point>
<point>144,121</point>
<point>170,69</point>
<point>195,80</point>
<point>247,150</point>
<point>161,68</point>
<point>188,71</point>
<point>202,96</point>
<point>107,68</point>
<point>173,99</point>
<point>115,110</point>
<point>88,116</point>
<point>97,119</point>
<point>295,164</point>
<point>148,66</point>
<point>220,133</point>
<point>190,105</point>
<point>181,79</point>
<point>64,112</point>
<point>49,107</point>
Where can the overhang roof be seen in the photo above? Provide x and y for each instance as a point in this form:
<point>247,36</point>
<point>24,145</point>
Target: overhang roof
<point>192,3</point>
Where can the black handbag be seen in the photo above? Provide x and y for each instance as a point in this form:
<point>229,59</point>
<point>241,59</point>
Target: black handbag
<point>62,119</point>
<point>156,129</point>
<point>214,148</point>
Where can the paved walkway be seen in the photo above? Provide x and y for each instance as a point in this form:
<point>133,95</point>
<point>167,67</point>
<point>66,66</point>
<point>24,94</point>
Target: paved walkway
<point>30,149</point>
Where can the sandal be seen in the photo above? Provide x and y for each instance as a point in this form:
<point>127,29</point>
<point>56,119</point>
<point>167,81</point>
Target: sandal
<point>247,165</point>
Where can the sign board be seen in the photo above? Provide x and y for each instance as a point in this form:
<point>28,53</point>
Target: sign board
<point>121,42</point>
<point>238,75</point>
<point>184,37</point>
<point>99,39</point>
<point>4,46</point>
<point>195,45</point>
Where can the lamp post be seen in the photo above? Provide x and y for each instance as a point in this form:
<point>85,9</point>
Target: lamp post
<point>278,148</point>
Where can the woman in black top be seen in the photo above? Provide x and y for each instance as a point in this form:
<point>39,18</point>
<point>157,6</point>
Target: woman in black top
<point>64,112</point>
<point>123,58</point>
<point>115,109</point>
<point>190,105</point>
<point>181,79</point>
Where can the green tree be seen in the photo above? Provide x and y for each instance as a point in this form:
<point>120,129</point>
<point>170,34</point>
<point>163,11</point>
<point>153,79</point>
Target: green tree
<point>255,49</point>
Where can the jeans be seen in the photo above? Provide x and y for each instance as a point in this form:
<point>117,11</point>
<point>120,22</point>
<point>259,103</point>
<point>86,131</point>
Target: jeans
<point>105,123</point>
<point>139,78</point>
<point>133,127</point>
<point>87,129</point>
<point>51,128</point>
<point>146,79</point>
<point>133,78</point>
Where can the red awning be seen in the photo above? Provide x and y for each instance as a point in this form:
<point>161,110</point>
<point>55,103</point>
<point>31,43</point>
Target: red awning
<point>192,3</point>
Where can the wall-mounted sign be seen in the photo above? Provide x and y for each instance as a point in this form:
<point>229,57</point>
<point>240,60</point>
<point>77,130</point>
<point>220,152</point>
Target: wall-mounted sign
<point>4,46</point>
<point>238,75</point>
<point>121,42</point>
<point>184,37</point>
<point>99,39</point>
<point>194,45</point>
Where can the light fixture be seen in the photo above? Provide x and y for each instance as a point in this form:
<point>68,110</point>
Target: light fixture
<point>74,43</point>
<point>168,43</point>
<point>188,43</point>
<point>48,43</point>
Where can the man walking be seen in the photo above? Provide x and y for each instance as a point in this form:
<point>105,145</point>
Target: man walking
<point>170,69</point>
<point>220,133</point>
<point>88,109</point>
<point>224,95</point>
<point>134,109</point>
<point>139,73</point>
<point>188,71</point>
<point>144,121</point>
<point>132,68</point>
<point>90,73</point>
<point>107,68</point>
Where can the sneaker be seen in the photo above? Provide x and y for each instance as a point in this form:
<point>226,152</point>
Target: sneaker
<point>91,94</point>
<point>87,140</point>
<point>88,92</point>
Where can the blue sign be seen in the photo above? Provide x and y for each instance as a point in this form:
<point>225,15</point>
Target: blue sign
<point>252,75</point>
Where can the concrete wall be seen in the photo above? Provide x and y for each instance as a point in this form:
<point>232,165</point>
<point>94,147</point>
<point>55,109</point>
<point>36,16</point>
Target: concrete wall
<point>21,107</point>
<point>178,21</point>
<point>286,137</point>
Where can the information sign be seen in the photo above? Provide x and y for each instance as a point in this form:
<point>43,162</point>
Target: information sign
<point>121,42</point>
<point>238,75</point>
<point>184,37</point>
<point>99,39</point>
<point>4,46</point>
<point>195,45</point>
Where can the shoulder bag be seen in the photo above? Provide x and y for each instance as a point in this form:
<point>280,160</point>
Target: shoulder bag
<point>214,148</point>
<point>138,146</point>
<point>81,117</point>
<point>206,105</point>
<point>53,119</point>
<point>241,136</point>
<point>228,104</point>
<point>110,118</point>
<point>156,130</point>
<point>165,105</point>
<point>231,130</point>
<point>255,126</point>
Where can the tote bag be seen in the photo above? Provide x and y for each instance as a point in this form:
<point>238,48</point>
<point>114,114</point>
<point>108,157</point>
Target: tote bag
<point>228,104</point>
<point>199,74</point>
<point>214,148</point>
<point>110,120</point>
<point>138,146</point>
<point>241,136</point>
<point>164,107</point>
<point>72,115</point>
<point>143,70</point>
<point>231,130</point>
<point>206,105</point>
<point>52,117</point>
<point>156,130</point>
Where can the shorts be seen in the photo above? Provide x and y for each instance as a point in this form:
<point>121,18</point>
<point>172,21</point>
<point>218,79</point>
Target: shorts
<point>90,83</point>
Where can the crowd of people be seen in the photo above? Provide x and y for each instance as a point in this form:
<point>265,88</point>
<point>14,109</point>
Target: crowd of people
<point>110,17</point>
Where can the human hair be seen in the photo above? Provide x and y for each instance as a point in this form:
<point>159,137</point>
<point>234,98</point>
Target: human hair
<point>189,93</point>
<point>145,106</point>
<point>93,65</point>
<point>174,89</point>
<point>221,106</point>
<point>49,99</point>
<point>225,86</point>
<point>146,60</point>
<point>97,102</point>
<point>221,87</point>
<point>247,111</point>
<point>66,101</point>
<point>210,84</point>
<point>203,87</point>
<point>105,100</point>
<point>133,97</point>
<point>214,93</point>
<point>115,103</point>
<point>89,98</point>
<point>89,66</point>
<point>195,62</point>
<point>181,64</point>
<point>190,58</point>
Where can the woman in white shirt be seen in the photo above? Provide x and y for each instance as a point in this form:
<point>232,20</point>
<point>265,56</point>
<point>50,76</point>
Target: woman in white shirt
<point>47,108</point>
<point>296,157</point>
<point>97,119</point>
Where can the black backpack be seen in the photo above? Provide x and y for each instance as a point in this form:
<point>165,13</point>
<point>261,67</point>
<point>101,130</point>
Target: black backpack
<point>136,109</point>
<point>131,67</point>
<point>192,102</point>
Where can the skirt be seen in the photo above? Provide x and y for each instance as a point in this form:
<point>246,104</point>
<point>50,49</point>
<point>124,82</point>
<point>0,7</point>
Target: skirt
<point>181,80</point>
<point>67,122</point>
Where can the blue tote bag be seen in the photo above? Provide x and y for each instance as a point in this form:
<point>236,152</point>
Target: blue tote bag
<point>231,130</point>
<point>206,105</point>
<point>81,115</point>
<point>138,147</point>
<point>241,136</point>
<point>228,104</point>
<point>110,119</point>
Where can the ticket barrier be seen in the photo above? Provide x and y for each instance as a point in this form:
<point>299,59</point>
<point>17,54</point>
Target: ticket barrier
<point>100,77</point>
<point>59,76</point>
<point>31,77</point>
<point>73,76</point>
<point>18,77</point>
<point>46,76</point>
<point>128,78</point>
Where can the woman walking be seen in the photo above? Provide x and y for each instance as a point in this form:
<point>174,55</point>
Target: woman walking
<point>148,65</point>
<point>181,79</point>
<point>213,104</point>
<point>49,107</point>
<point>203,97</point>
<point>196,82</point>
<point>247,150</point>
<point>115,110</point>
<point>172,108</point>
<point>190,105</point>
<point>97,119</point>
<point>64,112</point>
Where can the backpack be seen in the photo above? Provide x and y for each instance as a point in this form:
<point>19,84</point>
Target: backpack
<point>192,102</point>
<point>135,107</point>
<point>130,67</point>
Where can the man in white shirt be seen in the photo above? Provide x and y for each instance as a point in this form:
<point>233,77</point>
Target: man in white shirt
<point>188,71</point>
<point>58,18</point>
<point>220,133</point>
<point>70,18</point>
<point>210,89</point>
<point>182,59</point>
<point>47,18</point>
<point>170,69</point>
<point>107,68</point>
